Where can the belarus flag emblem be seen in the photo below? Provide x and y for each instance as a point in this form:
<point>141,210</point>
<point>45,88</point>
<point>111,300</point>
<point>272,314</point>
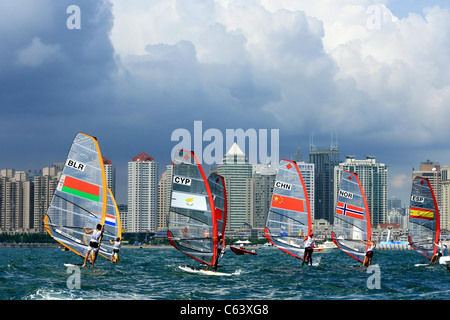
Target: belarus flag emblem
<point>110,220</point>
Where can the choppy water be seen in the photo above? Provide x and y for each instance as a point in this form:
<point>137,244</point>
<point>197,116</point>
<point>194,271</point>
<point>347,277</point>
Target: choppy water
<point>153,274</point>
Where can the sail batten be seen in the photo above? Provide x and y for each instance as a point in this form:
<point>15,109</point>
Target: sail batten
<point>197,209</point>
<point>351,224</point>
<point>82,200</point>
<point>424,230</point>
<point>289,217</point>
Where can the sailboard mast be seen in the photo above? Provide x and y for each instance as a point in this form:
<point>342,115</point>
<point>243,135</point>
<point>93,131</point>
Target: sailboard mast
<point>351,219</point>
<point>289,218</point>
<point>82,200</point>
<point>197,210</point>
<point>424,229</point>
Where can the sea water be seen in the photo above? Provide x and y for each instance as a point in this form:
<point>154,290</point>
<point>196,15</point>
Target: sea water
<point>153,274</point>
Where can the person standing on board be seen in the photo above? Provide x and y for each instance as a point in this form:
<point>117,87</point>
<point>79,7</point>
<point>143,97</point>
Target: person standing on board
<point>93,244</point>
<point>369,252</point>
<point>219,250</point>
<point>438,253</point>
<point>116,250</point>
<point>309,248</point>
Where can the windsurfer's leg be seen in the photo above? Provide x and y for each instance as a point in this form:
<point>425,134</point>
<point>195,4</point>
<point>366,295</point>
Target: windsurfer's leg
<point>86,257</point>
<point>94,256</point>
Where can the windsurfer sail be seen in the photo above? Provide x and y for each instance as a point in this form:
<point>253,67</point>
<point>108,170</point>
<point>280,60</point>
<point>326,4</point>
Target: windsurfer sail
<point>351,224</point>
<point>198,210</point>
<point>289,218</point>
<point>423,218</point>
<point>82,200</point>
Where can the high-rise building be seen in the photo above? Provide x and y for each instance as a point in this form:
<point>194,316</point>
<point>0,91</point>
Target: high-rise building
<point>307,172</point>
<point>263,182</point>
<point>16,200</point>
<point>44,189</point>
<point>374,180</point>
<point>432,171</point>
<point>142,194</point>
<point>324,161</point>
<point>237,173</point>
<point>164,197</point>
<point>444,210</point>
<point>110,172</point>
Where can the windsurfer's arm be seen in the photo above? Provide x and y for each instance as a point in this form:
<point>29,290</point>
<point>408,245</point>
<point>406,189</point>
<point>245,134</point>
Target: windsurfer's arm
<point>88,232</point>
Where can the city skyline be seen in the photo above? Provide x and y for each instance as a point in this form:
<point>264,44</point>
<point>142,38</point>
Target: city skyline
<point>121,175</point>
<point>372,73</point>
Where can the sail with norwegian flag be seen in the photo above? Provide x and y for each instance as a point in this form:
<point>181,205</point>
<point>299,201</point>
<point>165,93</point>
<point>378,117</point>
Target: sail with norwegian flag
<point>289,218</point>
<point>198,209</point>
<point>424,227</point>
<point>351,224</point>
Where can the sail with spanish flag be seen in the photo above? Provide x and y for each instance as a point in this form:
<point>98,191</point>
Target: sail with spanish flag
<point>82,200</point>
<point>198,209</point>
<point>424,227</point>
<point>351,225</point>
<point>289,218</point>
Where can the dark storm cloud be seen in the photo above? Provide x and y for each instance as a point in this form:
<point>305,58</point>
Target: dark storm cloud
<point>55,81</point>
<point>138,70</point>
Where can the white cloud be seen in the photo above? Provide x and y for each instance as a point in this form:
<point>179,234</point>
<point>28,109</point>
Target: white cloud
<point>38,53</point>
<point>400,181</point>
<point>350,67</point>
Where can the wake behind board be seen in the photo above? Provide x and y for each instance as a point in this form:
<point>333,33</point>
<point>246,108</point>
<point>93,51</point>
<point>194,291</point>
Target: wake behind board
<point>421,264</point>
<point>73,264</point>
<point>204,272</point>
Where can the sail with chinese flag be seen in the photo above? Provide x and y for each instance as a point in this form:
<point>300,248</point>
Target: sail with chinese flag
<point>289,218</point>
<point>424,227</point>
<point>351,225</point>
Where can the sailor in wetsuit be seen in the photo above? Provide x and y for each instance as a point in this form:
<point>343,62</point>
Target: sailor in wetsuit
<point>93,244</point>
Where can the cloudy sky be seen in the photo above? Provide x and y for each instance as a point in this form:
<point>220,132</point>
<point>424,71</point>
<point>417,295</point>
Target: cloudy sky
<point>374,74</point>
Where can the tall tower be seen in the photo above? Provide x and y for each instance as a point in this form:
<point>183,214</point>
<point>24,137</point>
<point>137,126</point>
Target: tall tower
<point>263,182</point>
<point>44,189</point>
<point>324,161</point>
<point>110,171</point>
<point>164,197</point>
<point>142,194</point>
<point>16,200</point>
<point>374,180</point>
<point>432,171</point>
<point>444,209</point>
<point>237,172</point>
